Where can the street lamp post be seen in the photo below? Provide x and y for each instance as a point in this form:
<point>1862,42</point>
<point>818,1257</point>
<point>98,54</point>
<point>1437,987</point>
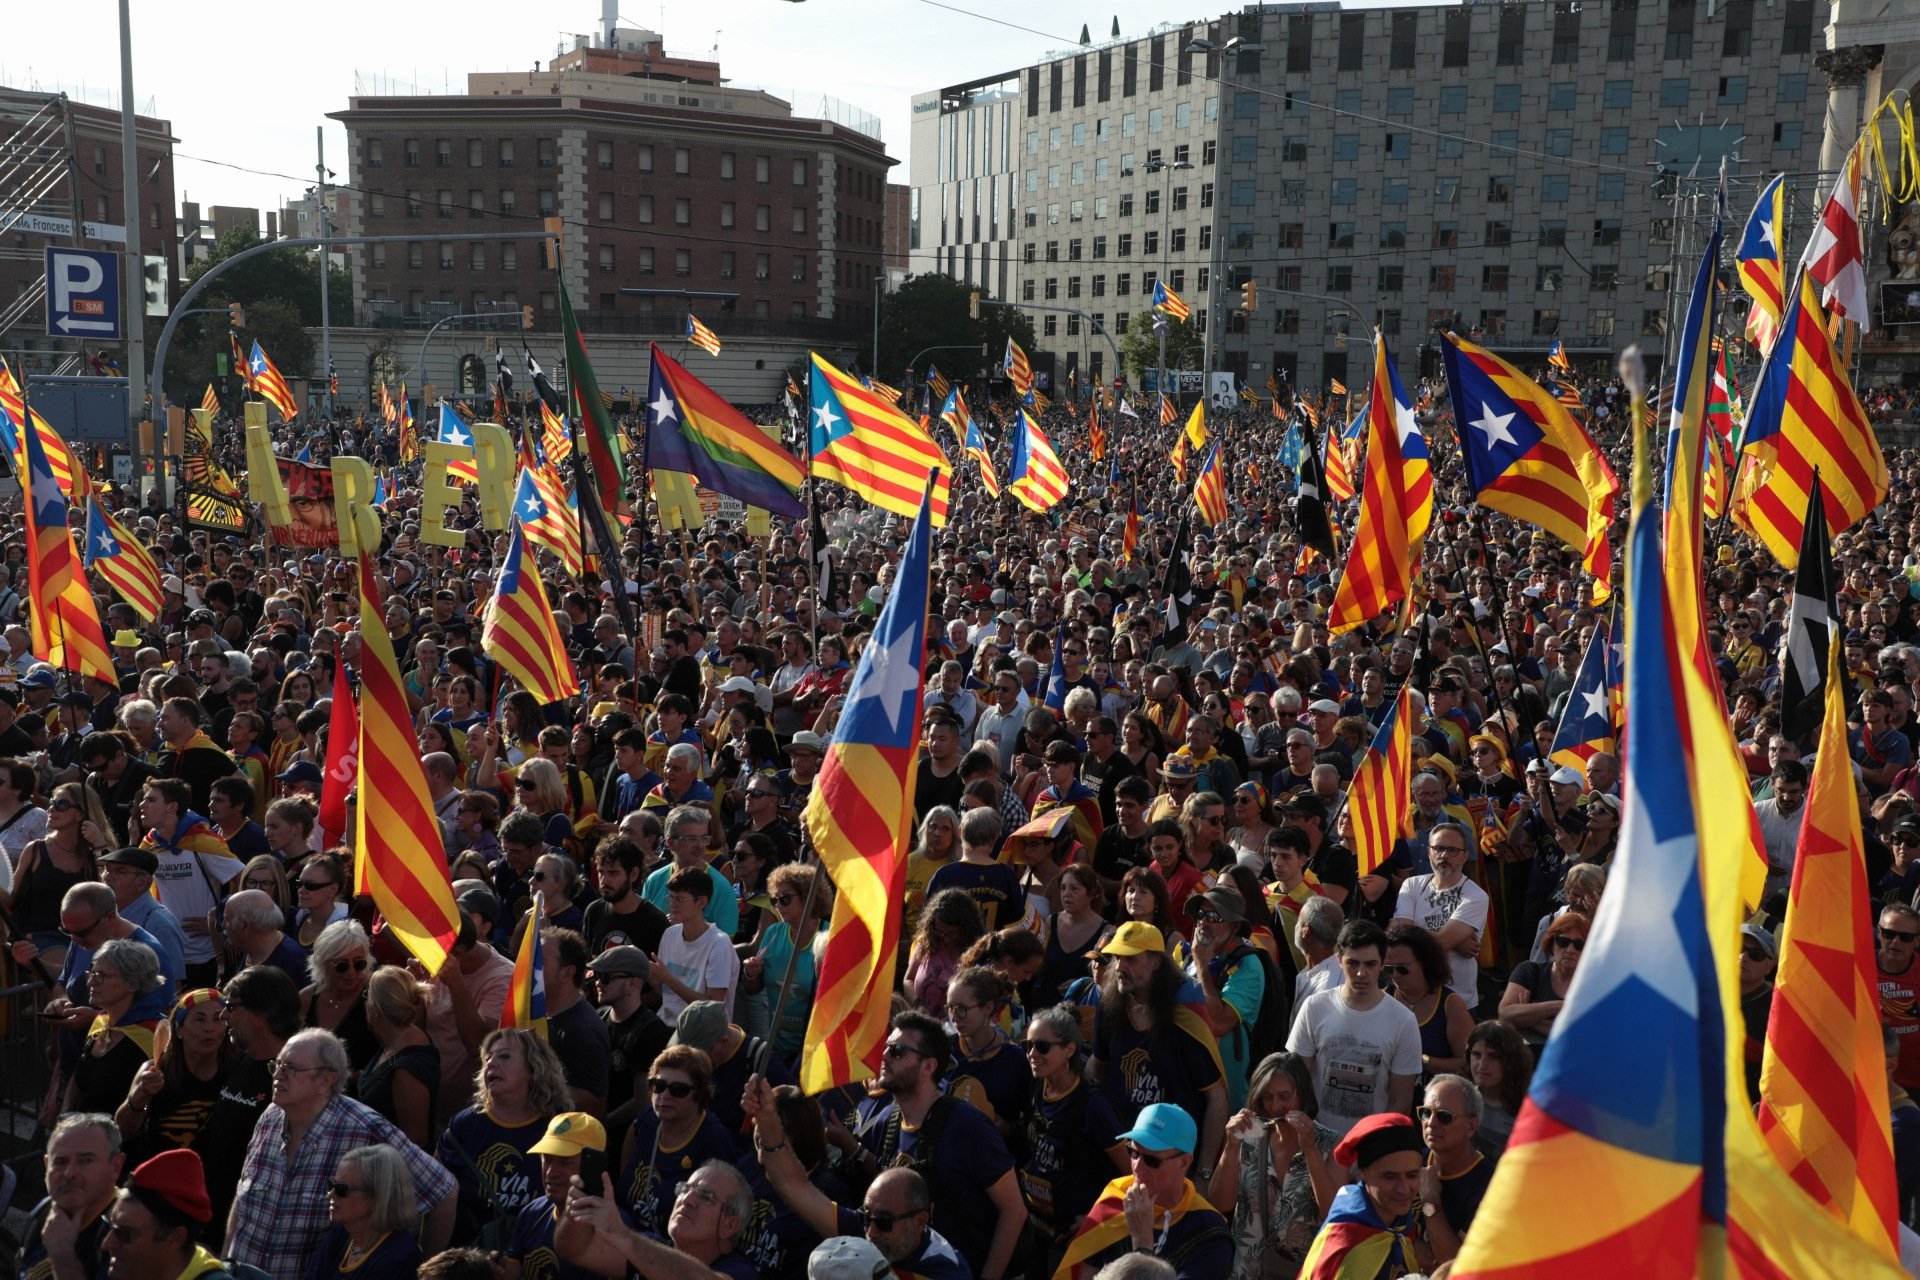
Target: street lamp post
<point>1166,209</point>
<point>1236,44</point>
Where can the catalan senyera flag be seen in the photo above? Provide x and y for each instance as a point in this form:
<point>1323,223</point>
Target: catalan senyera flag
<point>1723,412</point>
<point>1034,474</point>
<point>1018,368</point>
<point>701,336</point>
<point>1557,356</point>
<point>1823,1075</point>
<point>1130,534</point>
<point>976,448</point>
<point>409,437</point>
<point>1179,459</point>
<point>862,441</point>
<point>1382,782</point>
<point>1196,428</point>
<point>1096,436</point>
<point>126,566</point>
<point>209,401</point>
<point>1356,1243</point>
<point>691,428</point>
<point>402,858</point>
<point>860,818</point>
<point>554,440</point>
<point>1170,304</point>
<point>1396,505</point>
<point>1337,469</point>
<point>520,632</point>
<point>526,1004</point>
<point>1806,416</point>
<point>1168,414</point>
<point>1526,456</point>
<point>1335,387</point>
<point>264,380</point>
<point>454,430</point>
<point>15,416</point>
<point>547,510</point>
<point>954,412</point>
<point>63,626</point>
<point>937,383</point>
<point>1758,260</point>
<point>1690,379</point>
<point>1210,488</point>
<point>388,413</point>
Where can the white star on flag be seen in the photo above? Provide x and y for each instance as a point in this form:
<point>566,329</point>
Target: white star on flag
<point>664,409</point>
<point>824,417</point>
<point>1596,700</point>
<point>888,680</point>
<point>1495,427</point>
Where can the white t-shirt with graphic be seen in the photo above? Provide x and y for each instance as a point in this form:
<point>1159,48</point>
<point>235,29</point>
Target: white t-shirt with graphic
<point>707,962</point>
<point>1433,909</point>
<point>1355,1053</point>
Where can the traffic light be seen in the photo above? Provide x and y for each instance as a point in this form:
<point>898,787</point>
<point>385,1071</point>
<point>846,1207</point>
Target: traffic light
<point>526,316</point>
<point>973,305</point>
<point>1248,294</point>
<point>236,315</point>
<point>153,284</point>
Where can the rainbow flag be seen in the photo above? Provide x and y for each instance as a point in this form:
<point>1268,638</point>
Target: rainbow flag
<point>402,858</point>
<point>692,430</point>
<point>860,817</point>
<point>526,1003</point>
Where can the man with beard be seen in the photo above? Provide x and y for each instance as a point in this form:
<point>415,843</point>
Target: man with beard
<point>620,916</point>
<point>1150,1043</point>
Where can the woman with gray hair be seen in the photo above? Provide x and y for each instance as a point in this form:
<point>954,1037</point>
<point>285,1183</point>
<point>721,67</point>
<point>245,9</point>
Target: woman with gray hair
<point>336,1000</point>
<point>372,1219</point>
<point>122,984</point>
<point>1276,1179</point>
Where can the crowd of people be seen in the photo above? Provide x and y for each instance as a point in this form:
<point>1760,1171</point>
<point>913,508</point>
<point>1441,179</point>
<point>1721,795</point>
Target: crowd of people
<point>1150,1016</point>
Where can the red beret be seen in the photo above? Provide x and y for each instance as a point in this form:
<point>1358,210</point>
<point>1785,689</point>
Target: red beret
<point>1377,1136</point>
<point>174,1179</point>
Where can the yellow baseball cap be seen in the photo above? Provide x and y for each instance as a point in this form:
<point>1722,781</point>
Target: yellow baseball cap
<point>1135,938</point>
<point>570,1133</point>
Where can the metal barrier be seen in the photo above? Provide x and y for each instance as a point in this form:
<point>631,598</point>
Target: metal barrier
<point>26,1065</point>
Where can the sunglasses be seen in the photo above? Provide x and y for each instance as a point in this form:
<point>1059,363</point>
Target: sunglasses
<point>1754,954</point>
<point>1568,940</point>
<point>357,966</point>
<point>1439,1115</point>
<point>882,1220</point>
<point>341,1190</point>
<point>62,806</point>
<point>1397,970</point>
<point>1898,935</point>
<point>1204,915</point>
<point>525,784</point>
<point>782,899</point>
<point>1145,1157</point>
<point>895,1052</point>
<point>316,885</point>
<point>1042,1046</point>
<point>673,1088</point>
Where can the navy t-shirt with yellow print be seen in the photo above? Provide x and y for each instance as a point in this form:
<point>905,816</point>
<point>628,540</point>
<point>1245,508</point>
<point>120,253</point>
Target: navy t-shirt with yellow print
<point>650,1176</point>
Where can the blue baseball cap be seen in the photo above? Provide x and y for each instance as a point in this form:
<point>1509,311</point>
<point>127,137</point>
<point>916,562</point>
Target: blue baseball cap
<point>1164,1127</point>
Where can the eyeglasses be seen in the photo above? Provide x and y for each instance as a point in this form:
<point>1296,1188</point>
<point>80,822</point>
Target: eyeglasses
<point>1567,940</point>
<point>673,1088</point>
<point>782,899</point>
<point>1042,1046</point>
<point>262,884</point>
<point>1446,848</point>
<point>341,1190</point>
<point>884,1219</point>
<point>1439,1115</point>
<point>279,1068</point>
<point>358,966</point>
<point>1898,935</point>
<point>961,1010</point>
<point>696,1193</point>
<point>1145,1157</point>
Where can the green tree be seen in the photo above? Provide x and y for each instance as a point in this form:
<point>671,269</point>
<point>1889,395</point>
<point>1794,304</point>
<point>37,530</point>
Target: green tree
<point>1141,347</point>
<point>931,311</point>
<point>280,291</point>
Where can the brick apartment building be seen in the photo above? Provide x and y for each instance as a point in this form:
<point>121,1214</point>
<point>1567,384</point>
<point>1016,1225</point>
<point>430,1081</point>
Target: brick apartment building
<point>666,178</point>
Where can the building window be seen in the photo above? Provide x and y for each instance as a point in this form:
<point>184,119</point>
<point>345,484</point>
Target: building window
<point>379,255</point>
<point>726,164</point>
<point>683,212</point>
<point>509,257</point>
<point>1606,232</point>
<point>444,201</point>
<point>548,205</point>
<point>1499,189</point>
<point>799,173</point>
<point>1733,90</point>
<point>1546,322</point>
<point>1621,19</point>
<point>413,205</point>
<point>376,154</point>
<point>1796,28</point>
<point>410,149</point>
<point>606,258</point>
<point>1790,88</point>
<point>543,152</point>
<point>416,254</point>
<point>505,153</point>
<point>1553,188</point>
<point>1050,323</point>
<point>1613,140</point>
<point>644,210</point>
<point>726,264</point>
<point>1440,278</point>
<point>1446,235</point>
<point>1506,98</point>
<point>1610,187</point>
<point>1512,45</point>
<point>763,217</point>
<point>1786,134</point>
<point>683,262</point>
<point>1453,100</point>
<point>682,161</point>
<point>1339,280</point>
<point>1494,277</point>
<point>1679,30</point>
<point>645,156</point>
<point>1559,142</point>
<point>762,266</point>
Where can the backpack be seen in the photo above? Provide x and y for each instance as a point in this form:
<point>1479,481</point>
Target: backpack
<point>1268,1032</point>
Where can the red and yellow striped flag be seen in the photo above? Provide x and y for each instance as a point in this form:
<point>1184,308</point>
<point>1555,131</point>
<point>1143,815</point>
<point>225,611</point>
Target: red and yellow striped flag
<point>526,1003</point>
<point>402,859</point>
<point>1168,414</point>
<point>1210,488</point>
<point>1096,436</point>
<point>520,632</point>
<point>63,625</point>
<point>860,817</point>
<point>209,401</point>
<point>1396,505</point>
<point>1105,1227</point>
<point>1337,469</point>
<point>1034,474</point>
<point>67,473</point>
<point>1179,459</point>
<point>1381,786</point>
<point>1823,1079</point>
